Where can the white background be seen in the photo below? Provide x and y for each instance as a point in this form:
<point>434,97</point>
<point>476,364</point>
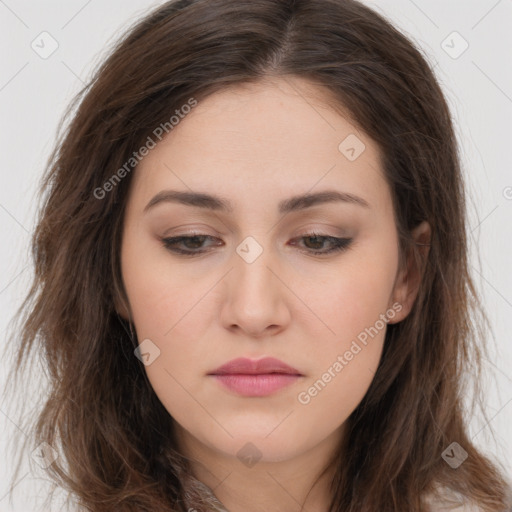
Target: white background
<point>478,84</point>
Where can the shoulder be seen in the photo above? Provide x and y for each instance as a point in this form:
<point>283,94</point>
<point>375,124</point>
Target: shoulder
<point>443,504</point>
<point>447,500</point>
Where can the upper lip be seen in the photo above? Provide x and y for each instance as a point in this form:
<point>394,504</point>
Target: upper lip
<point>246,366</point>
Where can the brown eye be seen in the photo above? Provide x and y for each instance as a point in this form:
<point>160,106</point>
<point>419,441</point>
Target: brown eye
<point>193,244</point>
<point>315,242</point>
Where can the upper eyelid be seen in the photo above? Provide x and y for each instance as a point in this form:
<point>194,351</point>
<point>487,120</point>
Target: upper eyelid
<point>335,240</point>
<point>322,229</point>
<point>306,233</point>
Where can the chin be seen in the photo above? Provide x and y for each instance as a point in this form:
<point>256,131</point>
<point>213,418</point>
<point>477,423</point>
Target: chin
<point>258,445</point>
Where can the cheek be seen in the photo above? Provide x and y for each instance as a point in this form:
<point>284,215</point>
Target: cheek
<point>355,297</point>
<point>167,311</point>
<point>328,400</point>
<point>158,292</point>
<point>345,362</point>
<point>355,306</point>
<point>173,322</point>
<point>170,321</point>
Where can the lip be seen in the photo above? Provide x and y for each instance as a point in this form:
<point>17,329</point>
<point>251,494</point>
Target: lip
<point>243,365</point>
<point>255,378</point>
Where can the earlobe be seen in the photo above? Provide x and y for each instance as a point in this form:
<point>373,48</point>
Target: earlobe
<point>409,277</point>
<point>121,307</point>
<point>123,313</point>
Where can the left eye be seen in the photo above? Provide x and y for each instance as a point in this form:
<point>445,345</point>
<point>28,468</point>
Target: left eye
<point>193,243</point>
<point>337,244</point>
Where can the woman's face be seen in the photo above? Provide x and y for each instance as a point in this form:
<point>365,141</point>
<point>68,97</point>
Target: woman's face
<point>262,287</point>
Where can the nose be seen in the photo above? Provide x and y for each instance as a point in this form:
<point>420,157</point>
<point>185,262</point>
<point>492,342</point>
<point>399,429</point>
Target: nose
<point>256,296</point>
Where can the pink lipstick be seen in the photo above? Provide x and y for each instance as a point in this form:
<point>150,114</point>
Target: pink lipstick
<point>255,378</point>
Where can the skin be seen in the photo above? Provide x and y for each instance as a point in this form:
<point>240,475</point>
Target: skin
<point>257,145</point>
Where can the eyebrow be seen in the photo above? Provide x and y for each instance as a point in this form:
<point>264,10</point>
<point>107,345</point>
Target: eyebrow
<point>296,203</point>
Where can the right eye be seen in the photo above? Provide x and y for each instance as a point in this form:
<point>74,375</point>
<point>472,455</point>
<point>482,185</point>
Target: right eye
<point>193,242</point>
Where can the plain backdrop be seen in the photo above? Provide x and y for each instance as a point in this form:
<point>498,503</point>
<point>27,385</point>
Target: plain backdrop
<point>469,44</point>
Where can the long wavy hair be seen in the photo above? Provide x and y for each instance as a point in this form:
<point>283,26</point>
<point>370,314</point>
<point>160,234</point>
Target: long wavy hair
<point>114,438</point>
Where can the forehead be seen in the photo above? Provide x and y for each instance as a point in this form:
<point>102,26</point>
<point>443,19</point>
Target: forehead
<point>275,138</point>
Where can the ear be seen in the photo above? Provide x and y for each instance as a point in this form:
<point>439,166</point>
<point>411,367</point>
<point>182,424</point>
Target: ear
<point>121,306</point>
<point>122,310</point>
<point>409,277</point>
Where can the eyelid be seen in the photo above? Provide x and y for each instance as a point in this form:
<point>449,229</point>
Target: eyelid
<point>338,244</point>
<point>322,228</point>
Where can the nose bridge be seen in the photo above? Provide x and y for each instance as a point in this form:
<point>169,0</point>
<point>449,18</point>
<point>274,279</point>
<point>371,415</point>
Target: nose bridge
<point>255,294</point>
<point>253,261</point>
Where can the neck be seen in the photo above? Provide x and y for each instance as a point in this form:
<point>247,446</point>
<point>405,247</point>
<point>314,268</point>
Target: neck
<point>298,484</point>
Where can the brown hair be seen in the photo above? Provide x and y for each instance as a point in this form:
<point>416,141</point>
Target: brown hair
<point>117,451</point>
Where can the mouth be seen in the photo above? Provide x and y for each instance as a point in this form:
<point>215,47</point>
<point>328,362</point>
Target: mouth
<point>263,377</point>
<point>262,384</point>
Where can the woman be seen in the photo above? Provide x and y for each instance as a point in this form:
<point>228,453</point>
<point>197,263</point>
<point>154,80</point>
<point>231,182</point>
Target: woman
<point>252,287</point>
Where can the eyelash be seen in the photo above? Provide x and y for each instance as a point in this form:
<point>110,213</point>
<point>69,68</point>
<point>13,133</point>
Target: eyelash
<point>339,244</point>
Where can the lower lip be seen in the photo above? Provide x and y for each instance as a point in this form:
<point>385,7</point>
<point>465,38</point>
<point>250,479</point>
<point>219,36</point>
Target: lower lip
<point>256,385</point>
